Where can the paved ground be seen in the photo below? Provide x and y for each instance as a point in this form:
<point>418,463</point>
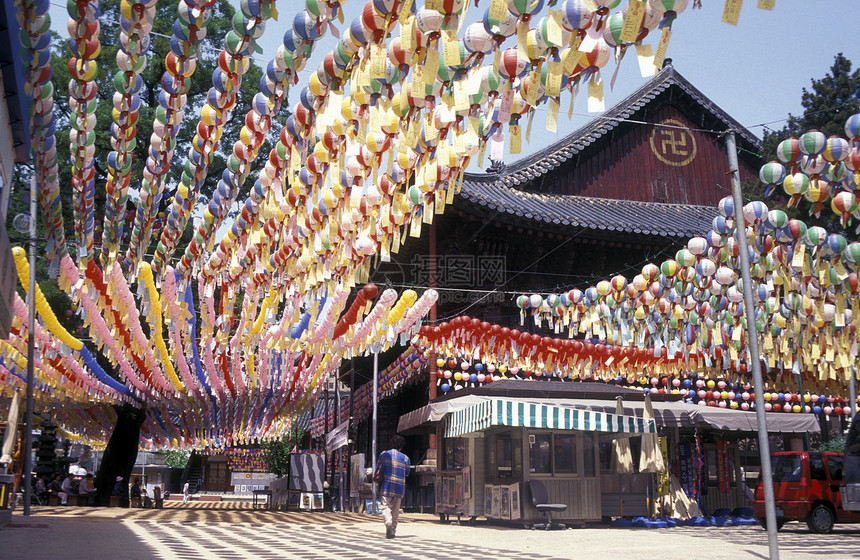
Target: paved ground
<point>232,530</point>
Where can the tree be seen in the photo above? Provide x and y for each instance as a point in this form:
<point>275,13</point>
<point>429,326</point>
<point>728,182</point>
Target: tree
<point>833,99</point>
<point>277,454</point>
<point>219,24</point>
<point>177,459</point>
<point>826,107</point>
<point>123,444</point>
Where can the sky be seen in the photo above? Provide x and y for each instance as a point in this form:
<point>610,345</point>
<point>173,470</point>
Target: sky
<point>755,71</point>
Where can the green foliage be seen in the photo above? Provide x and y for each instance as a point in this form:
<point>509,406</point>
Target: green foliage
<point>177,459</point>
<point>166,13</point>
<point>826,107</point>
<point>835,445</point>
<point>277,454</point>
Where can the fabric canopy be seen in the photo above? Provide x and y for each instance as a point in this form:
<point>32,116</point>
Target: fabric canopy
<point>518,413</point>
<point>668,414</point>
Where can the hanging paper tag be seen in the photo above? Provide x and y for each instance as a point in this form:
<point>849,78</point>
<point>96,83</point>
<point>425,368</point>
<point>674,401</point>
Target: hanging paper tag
<point>633,21</point>
<point>645,56</point>
<point>375,119</point>
<point>766,4</point>
<point>378,59</point>
<point>552,116</point>
<point>553,79</point>
<point>554,34</point>
<point>412,134</point>
<point>405,11</point>
<point>531,94</point>
<point>571,57</point>
<point>361,75</point>
<point>595,96</point>
<point>516,140</point>
<point>427,216</point>
<point>660,55</point>
<point>461,98</point>
<point>433,5</point>
<point>591,5</point>
<point>529,126</point>
<point>451,48</point>
<point>431,66</point>
<point>522,39</point>
<point>407,33</point>
<point>732,11</point>
<point>498,10</point>
<point>506,106</point>
<point>440,200</point>
<point>431,172</point>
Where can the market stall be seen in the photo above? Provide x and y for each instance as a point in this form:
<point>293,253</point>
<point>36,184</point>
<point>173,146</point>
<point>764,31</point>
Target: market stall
<point>495,438</point>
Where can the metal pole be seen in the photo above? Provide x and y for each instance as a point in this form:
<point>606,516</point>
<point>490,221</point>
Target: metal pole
<point>31,354</point>
<point>340,487</point>
<point>752,342</point>
<point>373,428</point>
<point>325,445</point>
<point>349,431</point>
<point>803,409</point>
<point>852,391</point>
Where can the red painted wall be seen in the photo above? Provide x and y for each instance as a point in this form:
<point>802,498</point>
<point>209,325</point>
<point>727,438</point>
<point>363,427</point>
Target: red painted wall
<point>649,163</point>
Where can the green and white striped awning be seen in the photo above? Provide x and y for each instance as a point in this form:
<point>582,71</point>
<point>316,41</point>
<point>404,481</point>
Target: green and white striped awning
<point>517,413</point>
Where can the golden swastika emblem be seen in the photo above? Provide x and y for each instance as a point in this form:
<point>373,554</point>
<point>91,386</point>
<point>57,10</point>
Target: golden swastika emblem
<point>673,146</point>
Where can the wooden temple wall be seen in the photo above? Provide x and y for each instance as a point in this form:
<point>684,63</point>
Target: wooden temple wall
<point>652,164</point>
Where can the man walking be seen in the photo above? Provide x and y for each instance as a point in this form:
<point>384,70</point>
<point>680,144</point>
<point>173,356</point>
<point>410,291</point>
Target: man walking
<point>392,467</point>
<point>186,492</point>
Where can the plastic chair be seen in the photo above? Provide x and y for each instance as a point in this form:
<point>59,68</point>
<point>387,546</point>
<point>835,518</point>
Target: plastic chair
<point>540,500</point>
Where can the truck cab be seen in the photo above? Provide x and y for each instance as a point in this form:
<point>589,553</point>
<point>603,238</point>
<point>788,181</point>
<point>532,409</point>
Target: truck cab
<point>806,487</point>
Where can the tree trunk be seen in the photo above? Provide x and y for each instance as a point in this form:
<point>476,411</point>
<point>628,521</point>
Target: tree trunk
<point>120,453</point>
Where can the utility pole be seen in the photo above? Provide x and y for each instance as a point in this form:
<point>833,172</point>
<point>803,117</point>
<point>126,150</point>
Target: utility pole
<point>752,344</point>
<point>31,355</point>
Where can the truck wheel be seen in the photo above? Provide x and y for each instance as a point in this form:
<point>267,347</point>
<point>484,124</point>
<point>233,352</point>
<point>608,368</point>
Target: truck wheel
<point>779,523</point>
<point>821,519</point>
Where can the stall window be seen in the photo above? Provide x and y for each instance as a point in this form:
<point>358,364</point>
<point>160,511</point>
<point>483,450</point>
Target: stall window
<point>553,453</point>
<point>605,450</point>
<point>711,465</point>
<point>540,453</point>
<point>505,456</point>
<point>564,447</point>
<point>456,450</point>
<point>588,448</point>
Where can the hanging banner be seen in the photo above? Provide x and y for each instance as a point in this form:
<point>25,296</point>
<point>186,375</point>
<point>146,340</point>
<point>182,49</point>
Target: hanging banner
<point>663,477</point>
<point>687,468</point>
<point>337,438</point>
<point>723,471</point>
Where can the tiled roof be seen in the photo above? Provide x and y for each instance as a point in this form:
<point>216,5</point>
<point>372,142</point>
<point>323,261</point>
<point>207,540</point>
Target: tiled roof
<point>603,214</point>
<point>545,160</point>
<point>497,190</point>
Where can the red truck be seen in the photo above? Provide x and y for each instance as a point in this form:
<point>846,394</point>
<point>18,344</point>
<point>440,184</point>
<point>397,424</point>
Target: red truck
<point>806,487</point>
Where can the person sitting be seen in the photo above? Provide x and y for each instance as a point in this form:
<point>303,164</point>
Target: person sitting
<point>86,488</point>
<point>67,489</point>
<point>147,501</point>
<point>117,487</point>
<point>41,490</point>
<point>55,487</point>
<point>135,493</point>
